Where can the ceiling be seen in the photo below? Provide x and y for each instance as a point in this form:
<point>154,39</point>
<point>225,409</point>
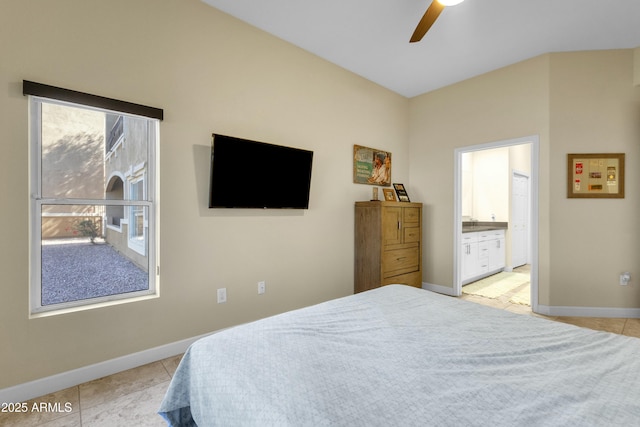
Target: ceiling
<point>371,37</point>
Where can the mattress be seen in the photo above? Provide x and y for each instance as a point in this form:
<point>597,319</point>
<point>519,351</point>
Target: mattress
<point>399,355</point>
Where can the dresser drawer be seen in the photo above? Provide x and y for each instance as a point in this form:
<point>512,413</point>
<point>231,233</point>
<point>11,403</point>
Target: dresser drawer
<point>411,215</point>
<point>401,261</point>
<point>411,234</point>
<point>483,250</point>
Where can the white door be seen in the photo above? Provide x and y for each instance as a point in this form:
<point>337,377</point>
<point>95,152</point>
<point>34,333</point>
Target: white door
<point>519,220</point>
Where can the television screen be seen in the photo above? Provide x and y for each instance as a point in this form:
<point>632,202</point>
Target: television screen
<point>251,174</point>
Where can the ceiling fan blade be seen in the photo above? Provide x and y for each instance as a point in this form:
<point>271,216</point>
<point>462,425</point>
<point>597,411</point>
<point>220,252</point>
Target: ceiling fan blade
<point>427,21</point>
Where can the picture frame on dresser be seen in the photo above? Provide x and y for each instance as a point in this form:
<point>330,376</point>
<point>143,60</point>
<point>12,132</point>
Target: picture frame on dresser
<point>389,195</point>
<point>403,196</point>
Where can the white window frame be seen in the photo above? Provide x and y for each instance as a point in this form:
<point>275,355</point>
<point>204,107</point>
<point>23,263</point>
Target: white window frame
<point>37,201</point>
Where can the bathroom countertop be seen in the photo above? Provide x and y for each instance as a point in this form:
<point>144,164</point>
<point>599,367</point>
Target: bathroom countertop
<point>471,226</point>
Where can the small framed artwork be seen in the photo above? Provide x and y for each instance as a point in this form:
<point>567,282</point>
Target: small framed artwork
<point>401,192</point>
<point>371,166</point>
<point>389,195</point>
<point>595,176</point>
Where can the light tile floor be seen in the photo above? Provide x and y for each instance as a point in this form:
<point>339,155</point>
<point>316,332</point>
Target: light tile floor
<point>132,397</point>
<point>128,398</point>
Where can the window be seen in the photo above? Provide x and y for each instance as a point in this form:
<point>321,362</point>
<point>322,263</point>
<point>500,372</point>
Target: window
<point>93,199</point>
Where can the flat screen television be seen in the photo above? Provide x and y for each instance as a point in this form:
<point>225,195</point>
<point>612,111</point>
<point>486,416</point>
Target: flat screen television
<point>252,174</point>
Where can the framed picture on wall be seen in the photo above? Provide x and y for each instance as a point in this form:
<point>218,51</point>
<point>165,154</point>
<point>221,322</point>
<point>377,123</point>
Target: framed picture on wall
<point>371,166</point>
<point>595,176</point>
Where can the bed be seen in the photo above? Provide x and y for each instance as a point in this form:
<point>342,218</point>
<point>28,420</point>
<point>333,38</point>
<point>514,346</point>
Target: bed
<point>404,356</point>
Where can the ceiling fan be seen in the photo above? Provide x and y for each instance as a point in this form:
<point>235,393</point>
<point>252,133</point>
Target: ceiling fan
<point>430,16</point>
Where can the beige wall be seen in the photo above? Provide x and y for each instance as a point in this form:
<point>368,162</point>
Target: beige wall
<point>594,108</point>
<point>508,103</point>
<point>575,102</point>
<point>210,73</point>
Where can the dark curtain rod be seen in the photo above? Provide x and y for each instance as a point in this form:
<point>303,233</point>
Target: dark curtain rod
<point>68,95</point>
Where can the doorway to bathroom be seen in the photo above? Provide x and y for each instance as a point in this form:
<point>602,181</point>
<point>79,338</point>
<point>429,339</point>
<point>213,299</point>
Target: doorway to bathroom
<point>502,188</point>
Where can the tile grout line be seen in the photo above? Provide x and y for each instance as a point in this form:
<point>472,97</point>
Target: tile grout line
<point>79,404</point>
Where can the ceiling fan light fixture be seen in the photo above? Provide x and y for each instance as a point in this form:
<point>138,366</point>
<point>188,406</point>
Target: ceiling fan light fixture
<point>450,2</point>
<point>430,16</point>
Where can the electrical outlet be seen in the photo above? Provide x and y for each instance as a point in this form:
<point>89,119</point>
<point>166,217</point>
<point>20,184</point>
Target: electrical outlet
<point>222,295</point>
<point>262,287</point>
<point>625,278</point>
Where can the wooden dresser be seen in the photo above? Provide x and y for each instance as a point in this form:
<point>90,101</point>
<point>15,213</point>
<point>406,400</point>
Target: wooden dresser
<point>388,245</point>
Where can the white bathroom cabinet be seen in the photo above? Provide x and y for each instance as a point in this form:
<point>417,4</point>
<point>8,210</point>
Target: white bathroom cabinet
<point>483,254</point>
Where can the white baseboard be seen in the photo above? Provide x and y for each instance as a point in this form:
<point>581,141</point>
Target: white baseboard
<point>43,386</point>
<point>589,311</point>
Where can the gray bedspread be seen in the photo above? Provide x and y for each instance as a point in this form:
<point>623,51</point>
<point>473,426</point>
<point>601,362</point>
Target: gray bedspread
<point>401,356</point>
